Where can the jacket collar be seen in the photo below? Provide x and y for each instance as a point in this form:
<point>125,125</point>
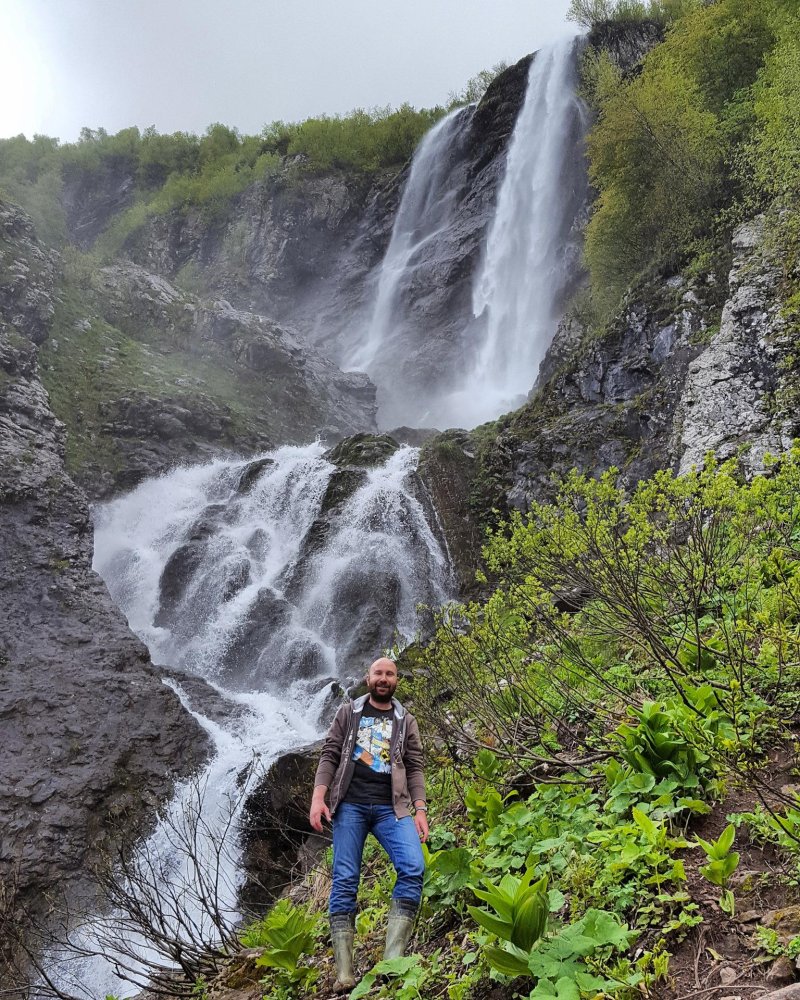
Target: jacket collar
<point>359,703</point>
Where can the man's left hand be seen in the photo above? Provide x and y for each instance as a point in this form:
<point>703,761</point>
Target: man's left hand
<point>421,823</point>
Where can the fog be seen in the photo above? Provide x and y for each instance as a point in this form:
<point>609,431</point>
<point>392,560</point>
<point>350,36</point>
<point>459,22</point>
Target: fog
<point>183,64</point>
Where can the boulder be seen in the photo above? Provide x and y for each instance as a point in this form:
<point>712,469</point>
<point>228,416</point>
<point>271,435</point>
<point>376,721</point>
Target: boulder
<point>275,825</point>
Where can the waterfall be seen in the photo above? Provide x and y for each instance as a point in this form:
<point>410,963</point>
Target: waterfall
<point>477,272</point>
<point>521,284</point>
<point>261,579</point>
<point>426,212</point>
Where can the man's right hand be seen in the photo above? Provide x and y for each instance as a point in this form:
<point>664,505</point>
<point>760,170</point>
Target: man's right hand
<point>319,811</point>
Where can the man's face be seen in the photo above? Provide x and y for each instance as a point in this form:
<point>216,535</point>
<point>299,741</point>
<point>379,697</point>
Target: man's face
<point>382,680</point>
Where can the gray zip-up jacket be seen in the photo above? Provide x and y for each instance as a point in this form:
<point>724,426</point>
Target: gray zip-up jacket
<point>336,764</point>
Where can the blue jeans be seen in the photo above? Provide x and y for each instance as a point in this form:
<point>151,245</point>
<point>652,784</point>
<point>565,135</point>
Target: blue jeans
<point>398,837</point>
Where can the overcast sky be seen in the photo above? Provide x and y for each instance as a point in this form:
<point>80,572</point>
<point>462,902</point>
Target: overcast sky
<point>183,64</point>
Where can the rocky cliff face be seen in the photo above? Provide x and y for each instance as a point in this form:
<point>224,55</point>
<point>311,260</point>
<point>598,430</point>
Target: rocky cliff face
<point>88,730</point>
<point>304,248</point>
<point>739,395</point>
<point>147,375</point>
<point>669,380</point>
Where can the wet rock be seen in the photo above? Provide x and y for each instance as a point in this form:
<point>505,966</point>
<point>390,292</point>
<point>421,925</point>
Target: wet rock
<point>251,473</point>
<point>89,731</point>
<point>413,436</point>
<point>268,614</point>
<point>363,450</point>
<point>184,563</point>
<point>204,698</point>
<point>448,467</point>
<point>341,486</point>
<point>275,825</point>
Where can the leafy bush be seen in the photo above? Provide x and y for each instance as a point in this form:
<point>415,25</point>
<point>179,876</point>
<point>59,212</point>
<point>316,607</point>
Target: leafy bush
<point>363,140</point>
<point>519,920</point>
<point>682,593</point>
<point>684,147</point>
<point>589,13</point>
<point>722,863</point>
<point>287,933</point>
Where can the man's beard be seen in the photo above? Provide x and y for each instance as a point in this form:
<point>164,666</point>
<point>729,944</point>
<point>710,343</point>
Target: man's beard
<point>382,693</point>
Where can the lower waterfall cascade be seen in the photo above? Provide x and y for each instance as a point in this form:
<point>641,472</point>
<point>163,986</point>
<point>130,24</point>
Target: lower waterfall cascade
<point>264,614</point>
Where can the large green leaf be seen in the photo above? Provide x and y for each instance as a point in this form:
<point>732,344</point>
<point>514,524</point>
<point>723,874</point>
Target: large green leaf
<point>507,962</point>
<point>563,989</point>
<point>500,928</point>
<point>502,904</point>
<point>645,824</point>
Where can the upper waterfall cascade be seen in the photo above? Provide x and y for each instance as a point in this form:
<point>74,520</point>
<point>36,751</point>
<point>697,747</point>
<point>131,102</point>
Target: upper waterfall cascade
<point>525,270</point>
<point>428,375</point>
<point>427,209</point>
<point>244,574</point>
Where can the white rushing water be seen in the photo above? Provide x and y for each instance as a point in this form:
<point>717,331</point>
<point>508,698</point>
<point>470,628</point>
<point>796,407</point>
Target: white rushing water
<point>226,581</point>
<point>426,210</point>
<point>529,258</point>
<point>519,286</point>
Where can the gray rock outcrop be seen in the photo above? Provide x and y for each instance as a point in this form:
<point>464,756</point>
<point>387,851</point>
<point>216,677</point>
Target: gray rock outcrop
<point>275,828</point>
<point>89,732</point>
<point>670,379</point>
<point>293,393</point>
<point>728,404</point>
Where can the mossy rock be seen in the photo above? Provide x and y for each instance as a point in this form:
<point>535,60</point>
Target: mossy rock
<point>366,450</point>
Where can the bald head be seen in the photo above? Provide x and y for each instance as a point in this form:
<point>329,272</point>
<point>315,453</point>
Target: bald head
<point>383,663</point>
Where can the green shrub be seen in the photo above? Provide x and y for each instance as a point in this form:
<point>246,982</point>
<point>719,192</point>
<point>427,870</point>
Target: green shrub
<point>589,13</point>
<point>681,149</point>
<point>287,933</point>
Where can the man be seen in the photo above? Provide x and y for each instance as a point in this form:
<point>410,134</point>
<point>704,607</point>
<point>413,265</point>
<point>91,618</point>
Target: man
<point>371,764</point>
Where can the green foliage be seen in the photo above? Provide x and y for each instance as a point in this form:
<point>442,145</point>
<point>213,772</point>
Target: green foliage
<point>520,908</point>
<point>476,86</point>
<point>287,933</point>
<point>410,976</point>
<point>200,988</point>
<point>484,806</point>
<point>770,942</point>
<point>639,646</point>
<point>589,13</point>
<point>361,140</point>
<point>556,962</point>
<point>667,741</point>
<point>448,873</point>
<point>776,109</point>
<point>688,611</point>
<point>722,863</point>
<point>183,172</point>
<point>701,135</point>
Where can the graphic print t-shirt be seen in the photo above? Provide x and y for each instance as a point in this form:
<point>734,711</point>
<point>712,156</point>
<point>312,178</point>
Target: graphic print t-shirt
<point>371,783</point>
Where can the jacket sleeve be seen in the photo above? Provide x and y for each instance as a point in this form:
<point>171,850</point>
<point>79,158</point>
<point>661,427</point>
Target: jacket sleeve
<point>413,760</point>
<point>332,749</point>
